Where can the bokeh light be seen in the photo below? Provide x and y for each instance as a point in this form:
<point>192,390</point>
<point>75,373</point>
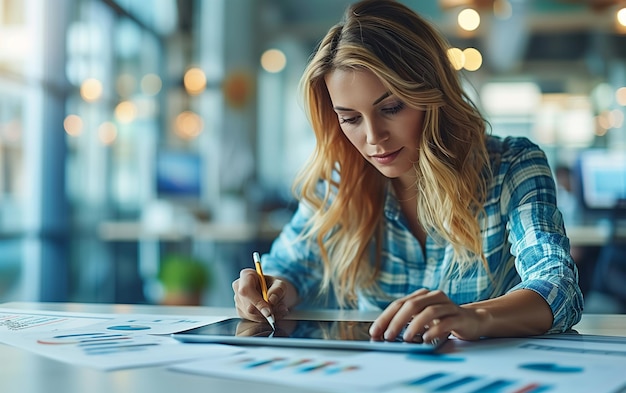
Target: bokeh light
<point>469,19</point>
<point>273,60</point>
<point>125,112</point>
<point>107,133</point>
<point>188,125</point>
<point>502,9</point>
<point>621,16</point>
<point>457,58</point>
<point>151,84</point>
<point>73,125</point>
<point>473,59</point>
<point>620,96</point>
<point>91,89</point>
<point>194,81</point>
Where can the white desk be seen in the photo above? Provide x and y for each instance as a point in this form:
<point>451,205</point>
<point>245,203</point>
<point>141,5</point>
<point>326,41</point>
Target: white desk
<point>25,372</point>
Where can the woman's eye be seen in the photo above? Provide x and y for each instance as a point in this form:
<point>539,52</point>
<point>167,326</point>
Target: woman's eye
<point>394,109</point>
<point>348,120</point>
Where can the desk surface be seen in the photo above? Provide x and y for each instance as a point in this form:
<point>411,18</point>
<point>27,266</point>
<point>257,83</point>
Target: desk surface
<point>25,372</point>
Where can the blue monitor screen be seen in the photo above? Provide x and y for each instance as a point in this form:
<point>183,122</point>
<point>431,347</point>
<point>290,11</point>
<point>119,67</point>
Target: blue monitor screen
<point>603,178</point>
<point>178,174</point>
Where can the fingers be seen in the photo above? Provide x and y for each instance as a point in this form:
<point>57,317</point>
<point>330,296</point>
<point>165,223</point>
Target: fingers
<point>249,299</point>
<point>389,323</point>
<point>434,328</point>
<point>276,297</point>
<point>417,317</point>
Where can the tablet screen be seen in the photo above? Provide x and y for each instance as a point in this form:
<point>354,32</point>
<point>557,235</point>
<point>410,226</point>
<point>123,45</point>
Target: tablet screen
<point>305,329</point>
<point>299,333</point>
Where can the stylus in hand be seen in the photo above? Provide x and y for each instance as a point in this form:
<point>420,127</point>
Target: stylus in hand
<point>257,264</point>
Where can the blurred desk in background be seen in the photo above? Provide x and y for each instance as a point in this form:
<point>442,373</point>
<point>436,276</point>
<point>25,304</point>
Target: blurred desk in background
<point>580,235</point>
<point>226,247</point>
<point>589,235</point>
<point>207,231</point>
<point>593,234</point>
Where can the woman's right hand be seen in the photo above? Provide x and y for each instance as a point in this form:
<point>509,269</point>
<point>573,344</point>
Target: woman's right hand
<point>249,299</point>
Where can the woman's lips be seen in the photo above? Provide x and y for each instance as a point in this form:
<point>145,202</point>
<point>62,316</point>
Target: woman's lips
<point>386,158</point>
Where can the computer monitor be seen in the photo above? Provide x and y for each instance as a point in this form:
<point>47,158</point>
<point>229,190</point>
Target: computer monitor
<point>178,175</point>
<point>602,178</point>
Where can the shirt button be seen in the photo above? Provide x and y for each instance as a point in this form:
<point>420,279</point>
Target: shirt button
<point>431,261</point>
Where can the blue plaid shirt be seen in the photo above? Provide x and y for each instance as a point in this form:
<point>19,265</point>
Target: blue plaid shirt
<point>524,242</point>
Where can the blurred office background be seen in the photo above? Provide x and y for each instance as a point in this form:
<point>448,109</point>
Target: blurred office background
<point>136,134</point>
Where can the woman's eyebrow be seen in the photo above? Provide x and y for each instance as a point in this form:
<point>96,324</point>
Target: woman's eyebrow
<point>387,94</point>
<point>379,99</point>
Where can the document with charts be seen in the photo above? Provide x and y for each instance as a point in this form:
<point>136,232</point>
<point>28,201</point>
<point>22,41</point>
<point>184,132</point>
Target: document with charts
<point>105,341</point>
<point>551,364</point>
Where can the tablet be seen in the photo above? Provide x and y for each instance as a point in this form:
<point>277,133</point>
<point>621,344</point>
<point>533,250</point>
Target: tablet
<point>299,333</point>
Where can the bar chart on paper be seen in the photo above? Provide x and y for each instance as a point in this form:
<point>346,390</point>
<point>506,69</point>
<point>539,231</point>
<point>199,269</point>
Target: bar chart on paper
<point>297,365</point>
<point>375,372</point>
<point>493,366</point>
<point>291,367</point>
<point>98,343</point>
<point>552,364</point>
<point>113,350</point>
<point>465,383</point>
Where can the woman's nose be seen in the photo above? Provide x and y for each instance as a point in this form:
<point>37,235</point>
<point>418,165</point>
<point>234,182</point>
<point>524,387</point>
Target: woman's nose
<point>375,132</point>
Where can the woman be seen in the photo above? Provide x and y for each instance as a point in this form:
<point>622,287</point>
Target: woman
<point>408,206</point>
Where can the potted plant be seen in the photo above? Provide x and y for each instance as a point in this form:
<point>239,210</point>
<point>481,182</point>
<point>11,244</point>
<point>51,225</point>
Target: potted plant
<point>183,279</point>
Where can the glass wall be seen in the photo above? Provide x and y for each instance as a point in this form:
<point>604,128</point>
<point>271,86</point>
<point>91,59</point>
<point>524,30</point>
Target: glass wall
<point>80,118</point>
<point>113,124</point>
<point>13,109</point>
<point>135,132</point>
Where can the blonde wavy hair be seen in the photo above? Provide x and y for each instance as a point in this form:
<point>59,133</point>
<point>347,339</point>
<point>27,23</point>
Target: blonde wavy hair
<point>410,58</point>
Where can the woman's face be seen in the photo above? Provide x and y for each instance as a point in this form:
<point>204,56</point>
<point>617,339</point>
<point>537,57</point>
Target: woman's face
<point>382,128</point>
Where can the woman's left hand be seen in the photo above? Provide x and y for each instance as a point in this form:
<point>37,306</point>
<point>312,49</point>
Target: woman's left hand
<point>428,316</point>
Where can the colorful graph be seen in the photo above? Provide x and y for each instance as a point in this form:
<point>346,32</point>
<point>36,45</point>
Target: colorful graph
<point>435,357</point>
<point>99,343</point>
<point>295,365</point>
<point>114,349</point>
<point>72,339</point>
<point>551,368</point>
<point>129,327</point>
<point>452,382</point>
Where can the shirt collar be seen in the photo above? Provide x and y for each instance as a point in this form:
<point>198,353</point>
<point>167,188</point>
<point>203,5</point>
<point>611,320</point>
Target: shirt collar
<point>392,206</point>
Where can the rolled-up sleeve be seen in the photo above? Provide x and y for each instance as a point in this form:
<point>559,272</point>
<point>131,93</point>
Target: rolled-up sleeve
<point>537,237</point>
<point>293,258</point>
